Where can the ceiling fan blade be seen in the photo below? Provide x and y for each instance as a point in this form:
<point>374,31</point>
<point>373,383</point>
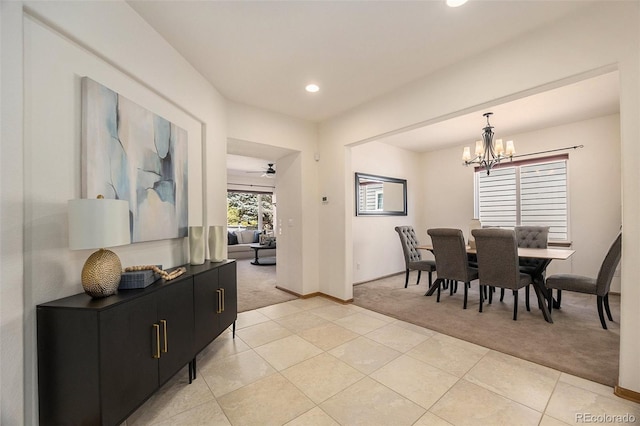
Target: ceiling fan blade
<point>267,172</point>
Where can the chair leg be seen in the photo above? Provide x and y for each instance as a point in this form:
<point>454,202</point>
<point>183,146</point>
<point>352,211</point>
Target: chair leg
<point>606,306</point>
<point>439,285</point>
<point>445,284</point>
<point>600,313</point>
<point>515,305</point>
<point>526,297</point>
<point>419,272</point>
<point>559,297</point>
<point>490,295</point>
<point>481,297</point>
<point>406,279</point>
<point>501,294</point>
<point>550,300</point>
<point>464,306</point>
<point>430,282</point>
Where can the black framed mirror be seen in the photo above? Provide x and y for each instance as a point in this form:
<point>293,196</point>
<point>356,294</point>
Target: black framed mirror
<point>380,195</point>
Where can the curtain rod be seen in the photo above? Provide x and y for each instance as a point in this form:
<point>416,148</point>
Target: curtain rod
<point>251,185</point>
<point>550,150</point>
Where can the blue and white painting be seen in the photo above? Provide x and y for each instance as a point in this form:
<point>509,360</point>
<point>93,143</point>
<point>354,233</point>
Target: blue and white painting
<point>130,153</point>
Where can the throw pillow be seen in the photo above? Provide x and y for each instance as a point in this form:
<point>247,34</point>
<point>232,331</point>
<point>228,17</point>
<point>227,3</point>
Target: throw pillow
<point>232,238</point>
<point>256,236</point>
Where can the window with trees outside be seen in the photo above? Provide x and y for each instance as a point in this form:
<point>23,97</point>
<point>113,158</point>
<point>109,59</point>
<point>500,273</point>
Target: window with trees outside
<point>530,192</point>
<point>250,210</point>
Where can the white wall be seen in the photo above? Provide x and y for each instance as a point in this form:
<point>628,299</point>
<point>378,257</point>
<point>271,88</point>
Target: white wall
<point>11,217</point>
<point>594,188</point>
<point>64,41</point>
<point>376,246</point>
<point>297,195</point>
<point>602,36</point>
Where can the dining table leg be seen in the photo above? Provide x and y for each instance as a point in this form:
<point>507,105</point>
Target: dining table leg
<point>434,286</point>
<point>541,289</point>
<point>541,292</point>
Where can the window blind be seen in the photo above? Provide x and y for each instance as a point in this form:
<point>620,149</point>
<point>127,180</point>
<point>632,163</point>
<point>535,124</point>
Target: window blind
<point>543,199</point>
<point>497,197</point>
<point>532,193</point>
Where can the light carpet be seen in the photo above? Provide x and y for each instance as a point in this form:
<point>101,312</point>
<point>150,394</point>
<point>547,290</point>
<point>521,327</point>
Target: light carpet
<point>257,286</point>
<point>575,343</point>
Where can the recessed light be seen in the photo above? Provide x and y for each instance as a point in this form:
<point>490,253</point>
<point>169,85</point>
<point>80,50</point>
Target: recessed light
<point>455,3</point>
<point>312,88</point>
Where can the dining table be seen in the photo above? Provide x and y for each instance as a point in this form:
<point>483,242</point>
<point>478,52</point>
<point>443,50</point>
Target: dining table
<point>545,254</point>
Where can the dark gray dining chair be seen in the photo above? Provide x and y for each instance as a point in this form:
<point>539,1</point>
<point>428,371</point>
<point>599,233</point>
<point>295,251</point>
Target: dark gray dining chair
<point>599,286</point>
<point>498,264</point>
<point>531,236</point>
<point>412,258</point>
<point>451,259</point>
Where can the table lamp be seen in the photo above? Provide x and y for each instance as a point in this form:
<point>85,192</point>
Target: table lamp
<point>99,223</point>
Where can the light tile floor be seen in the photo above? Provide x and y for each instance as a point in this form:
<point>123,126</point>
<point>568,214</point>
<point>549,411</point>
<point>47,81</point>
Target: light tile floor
<point>317,362</point>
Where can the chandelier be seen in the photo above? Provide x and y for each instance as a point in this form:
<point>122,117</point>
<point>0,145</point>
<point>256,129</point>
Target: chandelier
<point>489,153</point>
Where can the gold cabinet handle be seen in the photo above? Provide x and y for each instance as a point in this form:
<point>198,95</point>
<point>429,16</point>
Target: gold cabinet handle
<point>164,327</point>
<point>156,353</point>
<point>219,308</point>
<point>222,290</point>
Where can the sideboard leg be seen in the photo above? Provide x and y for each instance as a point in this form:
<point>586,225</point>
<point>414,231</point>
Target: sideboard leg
<point>192,370</point>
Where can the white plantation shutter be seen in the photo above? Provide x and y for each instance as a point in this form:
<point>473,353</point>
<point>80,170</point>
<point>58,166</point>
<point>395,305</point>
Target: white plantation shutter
<point>532,193</point>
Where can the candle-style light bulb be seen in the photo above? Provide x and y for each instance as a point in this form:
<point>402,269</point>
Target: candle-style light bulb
<point>511,149</point>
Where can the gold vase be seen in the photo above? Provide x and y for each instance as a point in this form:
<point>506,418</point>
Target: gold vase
<point>101,274</point>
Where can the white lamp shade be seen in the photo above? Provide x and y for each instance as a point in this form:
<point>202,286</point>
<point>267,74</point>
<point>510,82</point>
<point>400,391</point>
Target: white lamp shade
<point>466,154</point>
<point>511,149</point>
<point>98,223</point>
<point>479,149</point>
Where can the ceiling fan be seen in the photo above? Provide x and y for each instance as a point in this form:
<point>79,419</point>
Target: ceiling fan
<point>268,172</point>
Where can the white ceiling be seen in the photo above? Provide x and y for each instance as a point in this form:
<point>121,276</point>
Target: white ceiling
<point>247,166</point>
<point>593,97</point>
<point>243,156</point>
<point>263,53</point>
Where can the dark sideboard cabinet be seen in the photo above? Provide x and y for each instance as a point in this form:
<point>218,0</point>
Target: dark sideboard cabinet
<point>100,359</point>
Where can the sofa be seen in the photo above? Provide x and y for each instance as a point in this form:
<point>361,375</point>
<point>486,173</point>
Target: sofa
<point>238,245</point>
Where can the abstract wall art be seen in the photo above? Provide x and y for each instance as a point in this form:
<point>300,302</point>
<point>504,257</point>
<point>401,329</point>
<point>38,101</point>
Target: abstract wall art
<point>130,153</point>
